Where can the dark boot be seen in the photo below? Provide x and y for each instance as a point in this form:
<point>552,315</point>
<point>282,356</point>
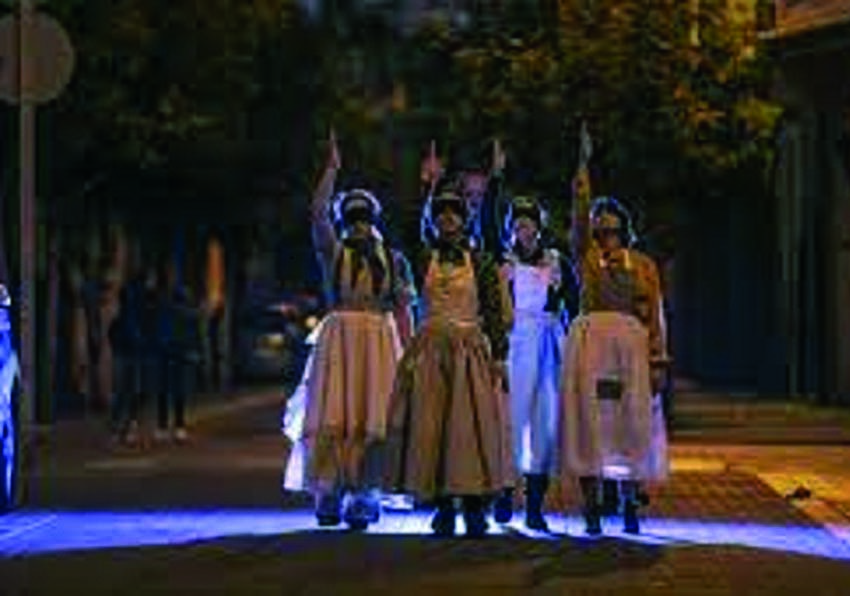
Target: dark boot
<point>610,497</point>
<point>536,486</point>
<point>362,509</point>
<point>474,516</point>
<point>631,524</point>
<point>503,509</point>
<point>592,510</point>
<point>328,509</point>
<point>443,522</point>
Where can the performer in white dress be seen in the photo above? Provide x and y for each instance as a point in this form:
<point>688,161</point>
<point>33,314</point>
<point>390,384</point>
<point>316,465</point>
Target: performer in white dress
<point>542,285</point>
<point>349,378</point>
<point>613,362</point>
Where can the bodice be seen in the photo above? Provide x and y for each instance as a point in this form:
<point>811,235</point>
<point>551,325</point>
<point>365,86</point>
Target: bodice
<point>450,292</point>
<point>531,284</point>
<point>355,290</point>
<point>608,286</point>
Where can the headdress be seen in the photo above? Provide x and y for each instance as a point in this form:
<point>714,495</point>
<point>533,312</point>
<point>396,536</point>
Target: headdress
<point>354,205</point>
<point>444,197</point>
<point>609,213</point>
<point>523,206</point>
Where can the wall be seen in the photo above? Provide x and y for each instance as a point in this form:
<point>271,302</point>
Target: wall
<point>811,318</point>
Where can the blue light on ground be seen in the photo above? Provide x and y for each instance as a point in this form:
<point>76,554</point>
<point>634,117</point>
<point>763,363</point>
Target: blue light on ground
<point>39,532</point>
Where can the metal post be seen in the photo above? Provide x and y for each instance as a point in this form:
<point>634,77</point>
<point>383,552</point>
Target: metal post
<point>28,230</point>
<point>26,411</point>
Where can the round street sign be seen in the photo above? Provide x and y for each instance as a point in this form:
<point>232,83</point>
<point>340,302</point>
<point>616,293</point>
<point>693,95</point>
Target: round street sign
<point>51,60</point>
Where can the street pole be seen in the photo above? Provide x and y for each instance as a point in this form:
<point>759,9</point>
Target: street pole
<point>28,233</point>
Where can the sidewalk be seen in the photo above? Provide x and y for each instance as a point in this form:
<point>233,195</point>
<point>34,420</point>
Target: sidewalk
<point>748,420</point>
<point>208,518</point>
<point>93,432</point>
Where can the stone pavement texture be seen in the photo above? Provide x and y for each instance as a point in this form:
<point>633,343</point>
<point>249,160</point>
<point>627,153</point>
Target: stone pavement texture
<point>727,523</point>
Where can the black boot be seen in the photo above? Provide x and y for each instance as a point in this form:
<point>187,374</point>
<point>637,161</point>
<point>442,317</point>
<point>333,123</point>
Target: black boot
<point>474,516</point>
<point>631,524</point>
<point>536,486</point>
<point>328,509</point>
<point>503,509</point>
<point>443,522</point>
<point>362,509</point>
<point>610,497</point>
<point>592,510</point>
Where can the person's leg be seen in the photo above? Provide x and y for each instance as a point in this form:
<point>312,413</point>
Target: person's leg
<point>474,518</point>
<point>543,433</point>
<point>592,514</point>
<point>120,403</point>
<point>363,475</point>
<point>536,486</point>
<point>134,397</point>
<point>443,522</point>
<point>521,382</point>
<point>179,371</point>
<point>610,497</point>
<point>214,330</point>
<point>93,367</point>
<point>630,490</point>
<point>163,395</point>
<point>327,479</point>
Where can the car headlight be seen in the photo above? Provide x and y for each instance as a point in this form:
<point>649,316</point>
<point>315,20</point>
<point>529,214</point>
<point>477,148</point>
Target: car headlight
<point>272,341</point>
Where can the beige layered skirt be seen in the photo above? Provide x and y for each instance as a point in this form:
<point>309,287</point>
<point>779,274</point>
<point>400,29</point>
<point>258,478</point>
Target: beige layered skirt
<point>449,428</point>
<point>599,437</point>
<point>338,415</point>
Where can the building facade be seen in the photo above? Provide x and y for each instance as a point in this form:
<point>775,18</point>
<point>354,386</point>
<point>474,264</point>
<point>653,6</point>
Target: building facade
<point>811,306</point>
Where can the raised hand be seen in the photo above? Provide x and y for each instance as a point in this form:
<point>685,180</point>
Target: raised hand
<point>432,169</point>
<point>581,183</point>
<point>585,150</point>
<point>499,157</point>
<point>334,162</point>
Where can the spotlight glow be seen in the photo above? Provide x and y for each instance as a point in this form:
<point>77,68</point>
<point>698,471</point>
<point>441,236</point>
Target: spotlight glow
<point>34,532</point>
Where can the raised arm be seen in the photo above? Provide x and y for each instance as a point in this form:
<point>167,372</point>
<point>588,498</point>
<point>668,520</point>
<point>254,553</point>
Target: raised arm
<point>419,250</point>
<point>580,238</point>
<point>493,206</point>
<point>324,236</point>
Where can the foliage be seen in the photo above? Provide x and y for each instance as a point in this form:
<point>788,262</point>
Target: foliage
<point>153,73</point>
<point>662,108</point>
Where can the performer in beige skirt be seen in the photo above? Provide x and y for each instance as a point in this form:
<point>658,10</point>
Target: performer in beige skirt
<point>450,432</point>
<point>614,354</point>
<point>348,382</point>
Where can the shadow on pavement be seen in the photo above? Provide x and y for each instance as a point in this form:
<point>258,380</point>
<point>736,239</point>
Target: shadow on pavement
<point>328,562</point>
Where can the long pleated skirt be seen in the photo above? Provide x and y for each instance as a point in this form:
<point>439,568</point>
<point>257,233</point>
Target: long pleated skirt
<point>449,424</point>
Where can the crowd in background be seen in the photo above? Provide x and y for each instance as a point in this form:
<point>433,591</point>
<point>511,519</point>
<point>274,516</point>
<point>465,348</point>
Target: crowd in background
<point>136,328</point>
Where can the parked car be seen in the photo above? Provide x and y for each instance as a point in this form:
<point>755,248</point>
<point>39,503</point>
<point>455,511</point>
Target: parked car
<point>271,337</point>
<point>8,406</point>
